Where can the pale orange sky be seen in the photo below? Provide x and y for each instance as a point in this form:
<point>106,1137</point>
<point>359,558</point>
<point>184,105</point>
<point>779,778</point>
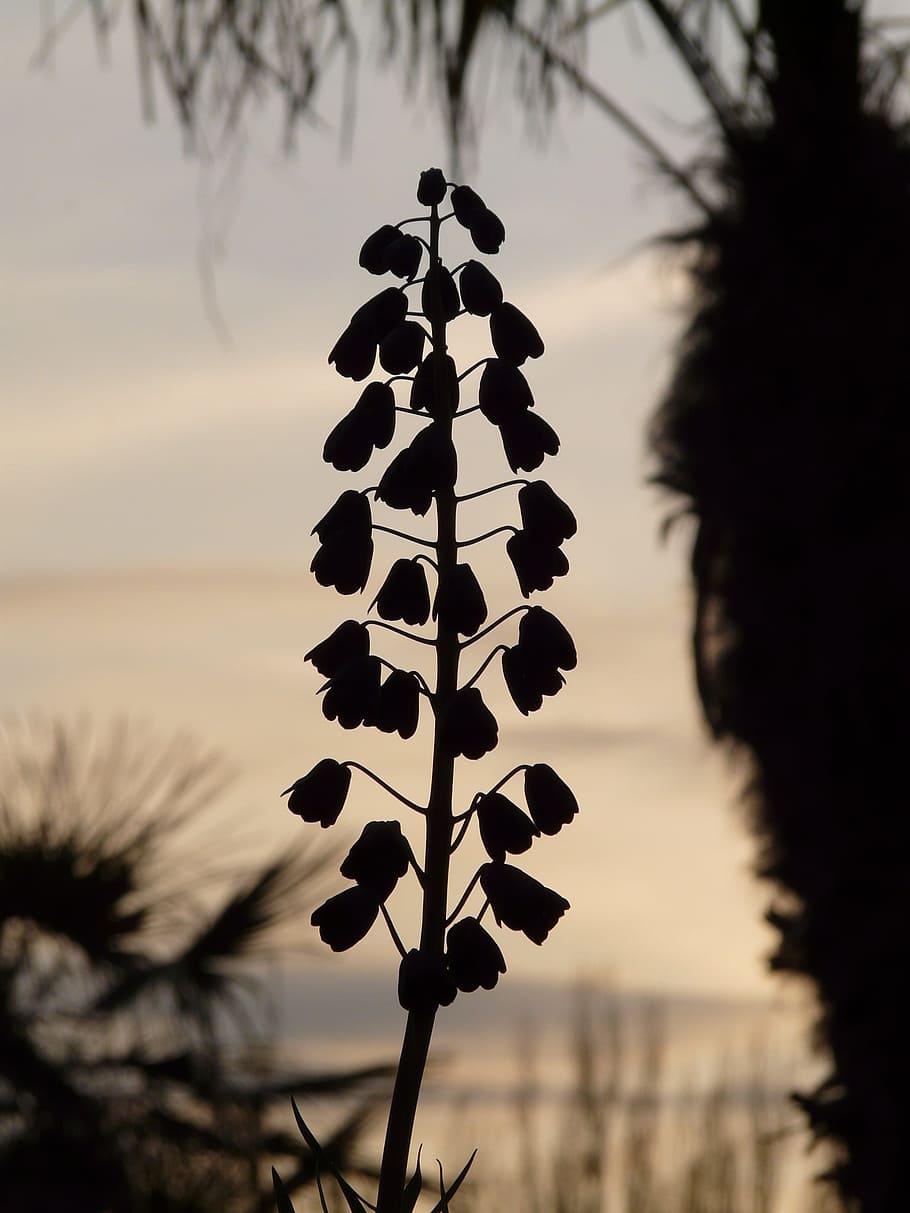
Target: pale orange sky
<point>159,489</point>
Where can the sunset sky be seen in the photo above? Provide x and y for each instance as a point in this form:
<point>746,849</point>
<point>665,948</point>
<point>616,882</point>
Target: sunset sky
<point>161,476</point>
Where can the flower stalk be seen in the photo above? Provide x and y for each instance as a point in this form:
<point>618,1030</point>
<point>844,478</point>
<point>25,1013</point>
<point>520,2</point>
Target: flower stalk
<point>453,952</point>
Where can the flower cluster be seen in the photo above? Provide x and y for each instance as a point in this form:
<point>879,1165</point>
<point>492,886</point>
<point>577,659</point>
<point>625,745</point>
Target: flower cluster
<point>403,327</point>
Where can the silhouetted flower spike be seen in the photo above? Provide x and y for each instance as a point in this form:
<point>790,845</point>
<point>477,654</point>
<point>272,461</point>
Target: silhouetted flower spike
<point>528,679</point>
<point>352,695</point>
<point>526,439</point>
<point>504,828</point>
<point>545,515</point>
<point>346,918</point>
<point>473,957</point>
<point>404,594</point>
<point>550,800</point>
<point>535,564</point>
<point>514,337</point>
<point>399,704</point>
<point>543,635</point>
<point>431,188</point>
<point>320,794</point>
<point>520,902</point>
<point>480,290</point>
<point>424,982</point>
<point>460,604</point>
<point>503,391</point>
<point>470,727</point>
<point>435,388</point>
<point>349,641</point>
<point>379,858</point>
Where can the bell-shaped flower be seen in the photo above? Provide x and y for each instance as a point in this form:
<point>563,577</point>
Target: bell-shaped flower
<point>513,335</point>
<point>545,515</point>
<point>369,425</point>
<point>379,858</point>
<point>424,982</point>
<point>352,695</point>
<point>480,290</point>
<point>551,801</point>
<point>529,679</point>
<point>346,536</point>
<point>349,641</point>
<point>520,902</point>
<point>526,439</point>
<point>459,603</point>
<point>320,794</point>
<point>431,188</point>
<point>402,349</point>
<point>487,230</point>
<point>435,388</point>
<point>351,511</point>
<point>439,293</point>
<point>346,918</point>
<point>374,253</point>
<point>383,312</point>
<point>504,828</point>
<point>473,957</point>
<point>535,564</point>
<point>403,256</point>
<point>399,704</point>
<point>503,391</point>
<point>421,469</point>
<point>542,634</point>
<point>469,727</point>
<point>404,594</point>
<point>354,353</point>
<point>465,203</point>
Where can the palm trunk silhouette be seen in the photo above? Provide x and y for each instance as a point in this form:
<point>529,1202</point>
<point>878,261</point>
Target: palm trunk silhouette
<point>785,431</point>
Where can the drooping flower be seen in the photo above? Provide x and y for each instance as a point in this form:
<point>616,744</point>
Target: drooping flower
<point>541,633</point>
<point>480,290</point>
<point>535,564</point>
<point>473,957</point>
<point>351,511</point>
<point>383,311</point>
<point>428,464</point>
<point>503,391</point>
<point>401,350</point>
<point>403,256</point>
<point>320,794</point>
<point>352,695</point>
<point>504,828</point>
<point>514,337</point>
<point>424,982</point>
<point>344,558</point>
<point>466,202</point>
<point>346,918</point>
<point>349,641</point>
<point>520,902</point>
<point>379,858</point>
<point>526,439</point>
<point>404,594</point>
<point>487,230</point>
<point>399,704</point>
<point>459,602</point>
<point>528,678</point>
<point>439,294</point>
<point>545,515</point>
<point>435,388</point>
<point>354,353</point>
<point>369,425</point>
<point>431,188</point>
<point>374,253</point>
<point>469,727</point>
<point>550,800</point>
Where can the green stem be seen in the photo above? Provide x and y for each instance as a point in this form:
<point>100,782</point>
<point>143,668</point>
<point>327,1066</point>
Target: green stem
<point>419,1029</point>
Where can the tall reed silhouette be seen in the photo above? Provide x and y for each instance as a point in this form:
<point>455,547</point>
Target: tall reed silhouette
<point>407,326</point>
<point>785,434</point>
